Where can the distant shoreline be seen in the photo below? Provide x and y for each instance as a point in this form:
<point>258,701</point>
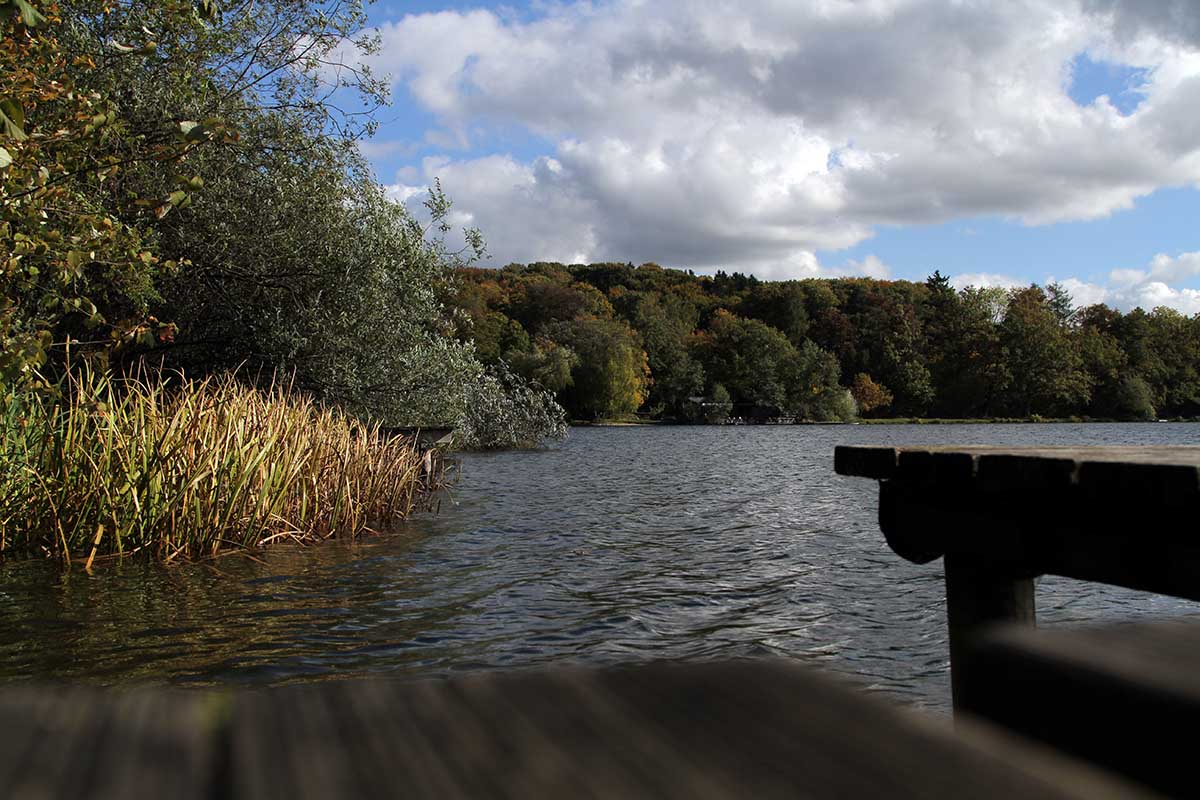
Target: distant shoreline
<point>887,421</point>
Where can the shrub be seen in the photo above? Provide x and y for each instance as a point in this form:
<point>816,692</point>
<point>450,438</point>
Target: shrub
<point>503,410</point>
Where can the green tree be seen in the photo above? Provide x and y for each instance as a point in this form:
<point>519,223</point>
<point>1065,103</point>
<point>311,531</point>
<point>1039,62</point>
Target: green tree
<point>780,305</point>
<point>676,375</point>
<point>497,337</point>
<point>1116,390</point>
<point>612,376</point>
<point>717,405</point>
<point>1043,358</point>
<point>545,303</point>
<point>760,367</point>
<point>547,363</point>
<point>78,273</point>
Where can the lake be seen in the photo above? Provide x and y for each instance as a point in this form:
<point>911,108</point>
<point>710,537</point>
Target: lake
<point>619,545</point>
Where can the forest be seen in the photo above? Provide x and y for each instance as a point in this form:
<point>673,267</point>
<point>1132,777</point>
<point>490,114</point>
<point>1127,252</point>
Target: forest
<point>613,340</point>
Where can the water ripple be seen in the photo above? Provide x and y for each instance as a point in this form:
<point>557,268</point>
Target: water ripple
<point>621,545</point>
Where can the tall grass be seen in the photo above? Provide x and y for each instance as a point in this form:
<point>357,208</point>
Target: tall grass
<point>119,466</point>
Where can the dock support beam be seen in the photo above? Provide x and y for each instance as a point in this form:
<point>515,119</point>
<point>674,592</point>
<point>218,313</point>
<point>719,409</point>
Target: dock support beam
<point>978,595</point>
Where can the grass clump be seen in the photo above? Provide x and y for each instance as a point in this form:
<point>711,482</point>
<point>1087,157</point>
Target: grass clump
<point>188,468</point>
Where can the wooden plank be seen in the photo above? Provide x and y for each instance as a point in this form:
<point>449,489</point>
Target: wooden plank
<point>90,743</point>
<point>865,462</point>
<point>1172,472</point>
<point>1120,695</point>
<point>1111,538</point>
<point>752,729</point>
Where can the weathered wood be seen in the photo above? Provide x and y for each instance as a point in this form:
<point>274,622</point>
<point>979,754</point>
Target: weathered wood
<point>979,595</point>
<point>1122,695</point>
<point>760,729</point>
<point>1172,471</point>
<point>1079,513</point>
<point>426,438</point>
<point>1001,516</point>
<point>88,743</point>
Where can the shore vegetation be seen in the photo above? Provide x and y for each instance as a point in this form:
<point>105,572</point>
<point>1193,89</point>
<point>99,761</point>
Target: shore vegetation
<point>189,468</point>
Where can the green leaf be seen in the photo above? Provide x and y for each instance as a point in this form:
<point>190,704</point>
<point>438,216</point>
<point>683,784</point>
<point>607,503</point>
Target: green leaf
<point>5,158</point>
<point>30,16</point>
<point>12,117</point>
<point>175,198</point>
<point>207,10</point>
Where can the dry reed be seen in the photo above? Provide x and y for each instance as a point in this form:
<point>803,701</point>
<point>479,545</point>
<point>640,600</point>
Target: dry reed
<point>119,466</point>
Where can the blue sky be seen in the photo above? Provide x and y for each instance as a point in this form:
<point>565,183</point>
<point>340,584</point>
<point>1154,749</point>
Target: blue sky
<point>1001,144</point>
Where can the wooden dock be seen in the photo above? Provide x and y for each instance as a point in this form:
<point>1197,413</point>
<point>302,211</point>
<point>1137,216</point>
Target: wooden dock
<point>764,729</point>
<point>999,517</point>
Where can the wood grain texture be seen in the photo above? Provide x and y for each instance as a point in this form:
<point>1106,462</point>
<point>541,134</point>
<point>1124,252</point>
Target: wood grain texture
<point>1124,695</point>
<point>62,742</point>
<point>760,729</point>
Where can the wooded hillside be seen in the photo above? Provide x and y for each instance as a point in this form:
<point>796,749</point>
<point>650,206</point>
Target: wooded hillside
<point>613,339</point>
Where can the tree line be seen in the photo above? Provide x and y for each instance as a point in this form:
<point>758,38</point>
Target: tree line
<point>614,339</point>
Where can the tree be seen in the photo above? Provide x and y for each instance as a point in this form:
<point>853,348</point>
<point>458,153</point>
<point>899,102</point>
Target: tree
<point>760,367</point>
<point>717,405</point>
<point>545,303</point>
<point>78,274</point>
<point>198,164</point>
<point>780,305</point>
<point>1044,359</point>
<point>868,394</point>
<point>612,376</point>
<point>548,364</point>
<point>497,337</point>
<point>677,376</point>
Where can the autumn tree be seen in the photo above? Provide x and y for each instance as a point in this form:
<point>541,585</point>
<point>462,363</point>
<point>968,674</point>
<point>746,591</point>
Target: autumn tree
<point>80,265</point>
<point>611,376</point>
<point>869,395</point>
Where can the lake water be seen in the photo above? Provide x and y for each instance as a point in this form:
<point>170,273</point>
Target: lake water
<point>620,545</point>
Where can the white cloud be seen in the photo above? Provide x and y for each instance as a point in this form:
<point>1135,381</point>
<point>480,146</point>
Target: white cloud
<point>712,133</point>
<point>871,267</point>
<point>1150,286</point>
<point>383,148</point>
<point>1085,294</point>
<point>985,280</point>
<point>1147,288</point>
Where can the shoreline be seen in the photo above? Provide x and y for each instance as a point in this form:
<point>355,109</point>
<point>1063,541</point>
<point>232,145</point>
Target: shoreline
<point>882,421</point>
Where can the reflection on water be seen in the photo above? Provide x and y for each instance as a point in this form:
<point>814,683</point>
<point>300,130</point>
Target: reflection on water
<point>620,545</point>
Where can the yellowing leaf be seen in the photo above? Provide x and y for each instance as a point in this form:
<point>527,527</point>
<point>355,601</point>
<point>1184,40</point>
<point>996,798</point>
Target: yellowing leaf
<point>12,119</point>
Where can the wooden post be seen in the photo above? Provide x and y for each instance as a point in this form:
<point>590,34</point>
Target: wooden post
<point>977,595</point>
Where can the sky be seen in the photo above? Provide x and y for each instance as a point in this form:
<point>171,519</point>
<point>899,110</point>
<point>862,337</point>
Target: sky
<point>1001,143</point>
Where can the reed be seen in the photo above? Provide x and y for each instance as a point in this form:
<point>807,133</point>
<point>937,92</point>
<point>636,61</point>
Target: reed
<point>187,469</point>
